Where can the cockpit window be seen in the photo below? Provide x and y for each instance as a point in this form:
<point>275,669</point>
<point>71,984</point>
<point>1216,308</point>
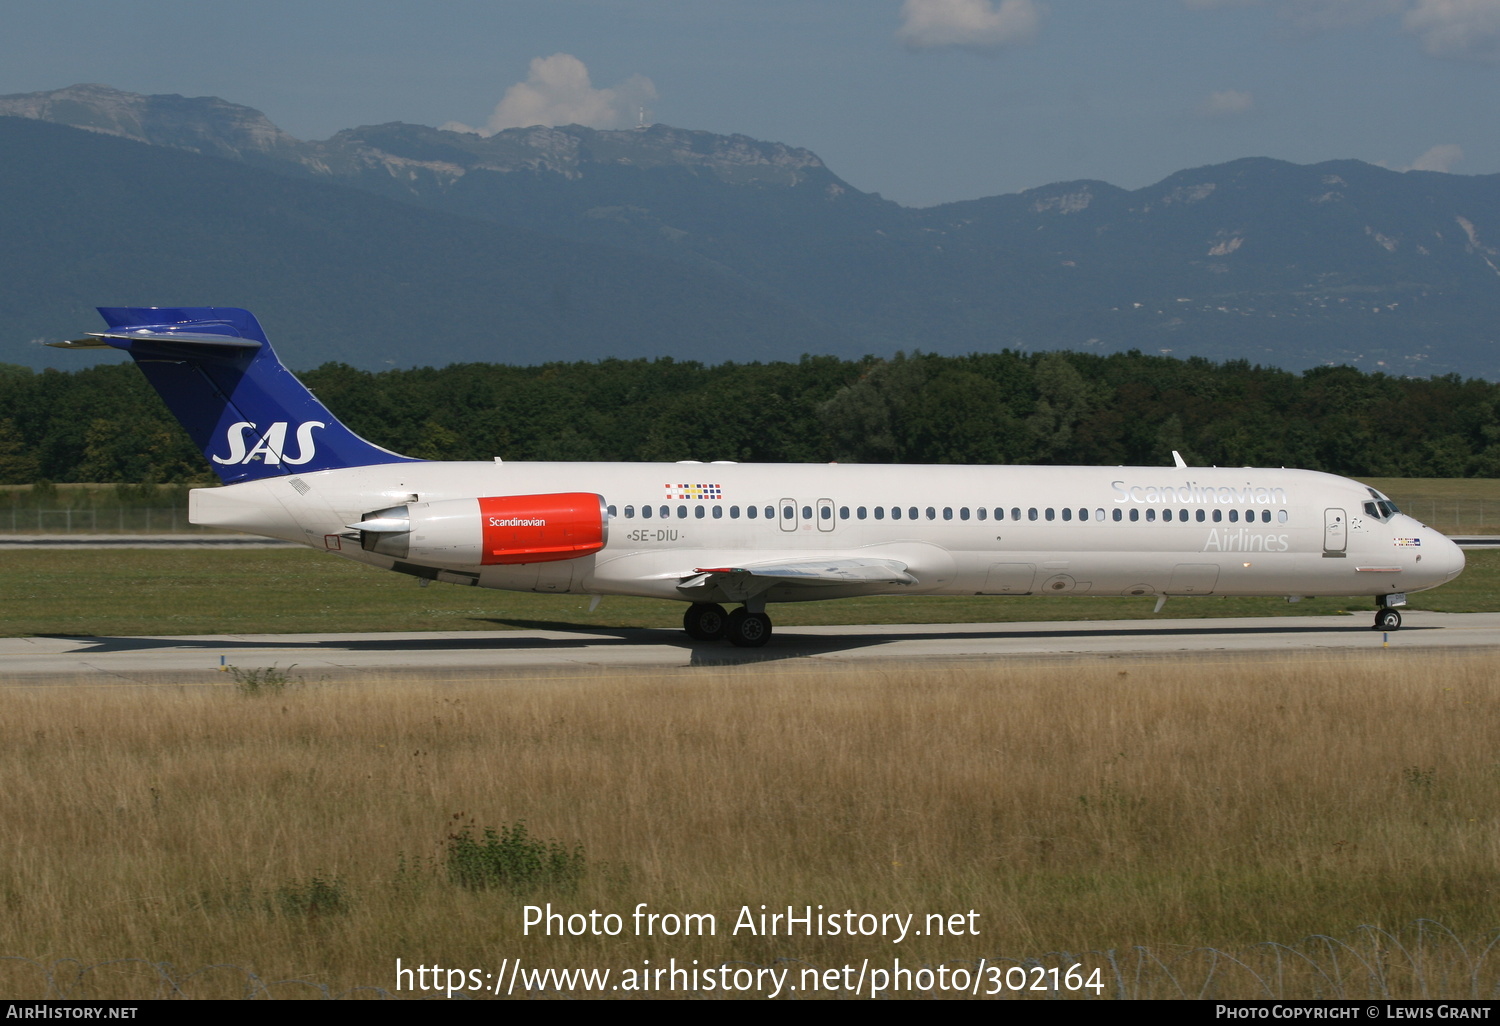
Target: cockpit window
<point>1382,509</point>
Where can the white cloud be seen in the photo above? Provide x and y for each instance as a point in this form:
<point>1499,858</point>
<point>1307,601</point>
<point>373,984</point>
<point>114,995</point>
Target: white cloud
<point>1439,158</point>
<point>1467,29</point>
<point>1334,14</point>
<point>1456,28</point>
<point>557,91</point>
<point>1226,103</point>
<point>976,24</point>
<point>1313,14</point>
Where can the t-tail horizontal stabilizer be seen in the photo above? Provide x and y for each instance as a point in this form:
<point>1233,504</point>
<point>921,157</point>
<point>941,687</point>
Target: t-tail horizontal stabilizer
<point>219,376</point>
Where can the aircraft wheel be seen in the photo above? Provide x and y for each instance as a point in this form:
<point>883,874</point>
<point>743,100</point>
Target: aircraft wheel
<point>1387,619</point>
<point>749,630</point>
<point>705,621</point>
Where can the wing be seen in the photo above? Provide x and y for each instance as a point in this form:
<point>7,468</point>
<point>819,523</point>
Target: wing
<point>739,583</point>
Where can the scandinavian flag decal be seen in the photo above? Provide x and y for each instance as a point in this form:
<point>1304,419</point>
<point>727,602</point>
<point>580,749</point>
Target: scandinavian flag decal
<point>695,491</point>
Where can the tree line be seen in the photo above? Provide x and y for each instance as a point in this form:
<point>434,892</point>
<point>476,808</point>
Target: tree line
<point>105,424</point>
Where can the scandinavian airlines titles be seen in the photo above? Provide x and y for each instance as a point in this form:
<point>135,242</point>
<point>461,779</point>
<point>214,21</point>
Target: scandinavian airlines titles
<point>1191,492</point>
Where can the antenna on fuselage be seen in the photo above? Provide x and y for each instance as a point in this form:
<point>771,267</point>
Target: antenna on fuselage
<point>1178,460</point>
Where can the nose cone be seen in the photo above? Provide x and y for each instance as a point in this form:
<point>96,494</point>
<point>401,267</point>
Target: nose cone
<point>1450,558</point>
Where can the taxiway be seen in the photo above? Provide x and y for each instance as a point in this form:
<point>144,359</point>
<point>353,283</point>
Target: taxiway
<point>560,647</point>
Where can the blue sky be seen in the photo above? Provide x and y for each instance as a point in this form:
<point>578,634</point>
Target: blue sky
<point>923,101</point>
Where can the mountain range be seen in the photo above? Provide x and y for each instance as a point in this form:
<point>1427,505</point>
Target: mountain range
<point>405,245</point>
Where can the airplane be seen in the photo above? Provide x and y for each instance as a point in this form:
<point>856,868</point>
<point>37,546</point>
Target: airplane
<point>749,535</point>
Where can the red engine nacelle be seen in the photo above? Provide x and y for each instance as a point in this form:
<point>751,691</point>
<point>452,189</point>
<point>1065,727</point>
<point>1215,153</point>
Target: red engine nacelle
<point>542,528</point>
<point>490,530</point>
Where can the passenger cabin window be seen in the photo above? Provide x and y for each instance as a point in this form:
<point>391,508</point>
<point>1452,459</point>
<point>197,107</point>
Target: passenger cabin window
<point>646,512</point>
<point>1117,516</point>
<point>734,512</point>
<point>1135,514</point>
<point>629,512</point>
<point>911,513</point>
<point>1234,516</point>
<point>895,512</point>
<point>751,512</point>
<point>879,512</point>
<point>861,512</point>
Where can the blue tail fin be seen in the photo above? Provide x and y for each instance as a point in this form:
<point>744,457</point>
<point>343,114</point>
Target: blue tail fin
<point>219,376</point>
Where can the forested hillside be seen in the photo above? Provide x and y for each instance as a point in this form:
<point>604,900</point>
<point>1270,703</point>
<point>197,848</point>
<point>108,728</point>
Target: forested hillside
<point>104,424</point>
<point>396,245</point>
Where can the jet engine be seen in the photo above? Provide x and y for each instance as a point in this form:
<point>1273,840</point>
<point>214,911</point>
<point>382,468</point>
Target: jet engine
<point>497,529</point>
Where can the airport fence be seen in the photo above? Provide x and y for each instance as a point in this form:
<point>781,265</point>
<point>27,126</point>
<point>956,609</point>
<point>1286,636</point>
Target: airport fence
<point>1455,516</point>
<point>121,519</point>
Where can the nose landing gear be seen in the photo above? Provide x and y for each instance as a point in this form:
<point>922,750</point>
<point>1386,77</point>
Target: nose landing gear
<point>1387,616</point>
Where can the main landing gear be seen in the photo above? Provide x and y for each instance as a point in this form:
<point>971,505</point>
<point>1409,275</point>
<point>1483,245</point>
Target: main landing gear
<point>706,621</point>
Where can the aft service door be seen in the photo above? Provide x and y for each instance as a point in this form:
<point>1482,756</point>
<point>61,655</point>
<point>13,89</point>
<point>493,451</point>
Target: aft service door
<point>1193,579</point>
<point>1009,579</point>
<point>1335,532</point>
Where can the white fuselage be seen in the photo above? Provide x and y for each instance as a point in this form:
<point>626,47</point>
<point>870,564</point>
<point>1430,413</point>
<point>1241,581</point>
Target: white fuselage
<point>1002,530</point>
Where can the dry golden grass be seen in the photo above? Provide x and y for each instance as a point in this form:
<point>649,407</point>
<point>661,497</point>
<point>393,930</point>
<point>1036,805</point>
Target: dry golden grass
<point>1077,807</point>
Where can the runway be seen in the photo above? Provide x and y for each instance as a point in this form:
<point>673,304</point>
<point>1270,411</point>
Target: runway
<point>561,647</point>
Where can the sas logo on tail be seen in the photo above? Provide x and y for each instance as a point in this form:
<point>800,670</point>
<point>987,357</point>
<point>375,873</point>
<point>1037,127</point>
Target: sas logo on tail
<point>269,447</point>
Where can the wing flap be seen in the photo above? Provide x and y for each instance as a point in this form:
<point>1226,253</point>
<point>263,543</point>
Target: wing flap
<point>740,582</point>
